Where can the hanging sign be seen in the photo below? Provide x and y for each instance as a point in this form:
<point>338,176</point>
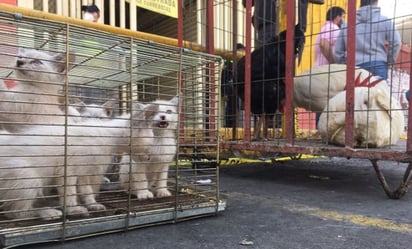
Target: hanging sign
<point>164,7</point>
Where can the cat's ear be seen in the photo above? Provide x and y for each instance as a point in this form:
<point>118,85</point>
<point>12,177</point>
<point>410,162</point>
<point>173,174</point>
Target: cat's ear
<point>175,100</point>
<point>138,113</point>
<point>78,104</point>
<point>60,61</point>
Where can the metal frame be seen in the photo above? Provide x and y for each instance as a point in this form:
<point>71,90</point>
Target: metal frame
<point>290,144</point>
<point>142,57</point>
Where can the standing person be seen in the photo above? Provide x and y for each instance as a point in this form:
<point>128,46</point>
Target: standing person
<point>227,91</point>
<point>92,95</point>
<point>326,40</point>
<point>263,20</point>
<point>377,40</point>
<point>91,13</point>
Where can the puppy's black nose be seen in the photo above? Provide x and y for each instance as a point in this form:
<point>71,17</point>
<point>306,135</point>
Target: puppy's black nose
<point>162,117</point>
<point>19,63</point>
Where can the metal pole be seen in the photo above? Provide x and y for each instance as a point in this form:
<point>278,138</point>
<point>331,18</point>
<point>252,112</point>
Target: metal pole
<point>409,139</point>
<point>234,103</point>
<point>350,73</point>
<point>289,70</point>
<point>246,125</point>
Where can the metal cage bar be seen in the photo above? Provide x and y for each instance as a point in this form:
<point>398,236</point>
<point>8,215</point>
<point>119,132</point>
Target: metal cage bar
<point>102,67</point>
<point>293,140</point>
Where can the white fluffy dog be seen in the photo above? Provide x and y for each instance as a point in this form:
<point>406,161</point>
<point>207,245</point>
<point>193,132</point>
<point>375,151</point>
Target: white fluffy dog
<point>43,157</point>
<point>378,118</point>
<point>33,98</point>
<point>150,173</point>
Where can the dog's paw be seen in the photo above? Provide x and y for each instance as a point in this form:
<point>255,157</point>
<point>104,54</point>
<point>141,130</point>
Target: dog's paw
<point>144,194</point>
<point>77,210</point>
<point>163,193</point>
<point>96,207</point>
<point>50,214</point>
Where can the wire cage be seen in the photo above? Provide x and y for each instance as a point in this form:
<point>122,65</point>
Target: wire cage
<point>278,90</point>
<point>304,121</point>
<point>102,132</point>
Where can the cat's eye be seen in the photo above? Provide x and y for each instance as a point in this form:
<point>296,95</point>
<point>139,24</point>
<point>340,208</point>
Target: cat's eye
<point>36,62</point>
<point>169,111</point>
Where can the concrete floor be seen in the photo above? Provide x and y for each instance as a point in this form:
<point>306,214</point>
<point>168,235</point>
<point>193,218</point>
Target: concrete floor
<point>316,203</point>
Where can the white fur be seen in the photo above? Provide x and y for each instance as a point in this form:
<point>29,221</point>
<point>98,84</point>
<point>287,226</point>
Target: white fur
<point>34,162</point>
<point>378,118</point>
<point>150,174</point>
<point>40,76</point>
<point>93,110</point>
<point>313,88</point>
<point>82,111</point>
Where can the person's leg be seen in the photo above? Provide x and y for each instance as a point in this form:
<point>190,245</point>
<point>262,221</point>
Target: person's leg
<point>230,112</point>
<point>317,118</point>
<point>381,69</point>
<point>378,68</point>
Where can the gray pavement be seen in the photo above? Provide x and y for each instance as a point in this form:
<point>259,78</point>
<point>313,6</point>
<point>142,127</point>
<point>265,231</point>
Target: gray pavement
<point>318,203</point>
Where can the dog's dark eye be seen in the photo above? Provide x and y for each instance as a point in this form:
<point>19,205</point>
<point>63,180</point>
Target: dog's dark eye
<point>36,62</point>
<point>169,111</point>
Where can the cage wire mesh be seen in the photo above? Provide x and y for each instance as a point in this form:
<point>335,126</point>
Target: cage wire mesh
<point>372,125</point>
<point>312,85</point>
<point>311,77</point>
<point>102,132</point>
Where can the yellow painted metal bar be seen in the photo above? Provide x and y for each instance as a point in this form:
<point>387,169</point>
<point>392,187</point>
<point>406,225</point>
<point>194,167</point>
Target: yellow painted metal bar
<point>242,160</point>
<point>106,28</point>
<point>111,29</point>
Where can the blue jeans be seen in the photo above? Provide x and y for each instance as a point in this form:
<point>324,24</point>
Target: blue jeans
<point>378,68</point>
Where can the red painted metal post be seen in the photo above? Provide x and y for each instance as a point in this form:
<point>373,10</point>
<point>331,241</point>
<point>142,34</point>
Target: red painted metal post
<point>246,125</point>
<point>409,132</point>
<point>289,70</point>
<point>350,73</point>
<point>179,24</point>
<point>235,34</point>
<point>210,40</point>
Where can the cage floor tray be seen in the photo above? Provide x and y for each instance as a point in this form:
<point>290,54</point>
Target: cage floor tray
<point>122,214</point>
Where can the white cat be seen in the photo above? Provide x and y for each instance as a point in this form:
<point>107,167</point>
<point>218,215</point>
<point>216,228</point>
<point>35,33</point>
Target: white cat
<point>33,98</point>
<point>150,173</point>
<point>34,161</point>
<point>78,108</point>
<point>93,110</point>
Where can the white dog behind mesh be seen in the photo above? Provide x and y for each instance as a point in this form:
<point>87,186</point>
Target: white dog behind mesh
<point>150,172</point>
<point>378,118</point>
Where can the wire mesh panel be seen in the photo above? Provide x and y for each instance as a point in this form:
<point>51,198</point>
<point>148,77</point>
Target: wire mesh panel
<point>286,111</point>
<point>286,101</point>
<point>101,132</point>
